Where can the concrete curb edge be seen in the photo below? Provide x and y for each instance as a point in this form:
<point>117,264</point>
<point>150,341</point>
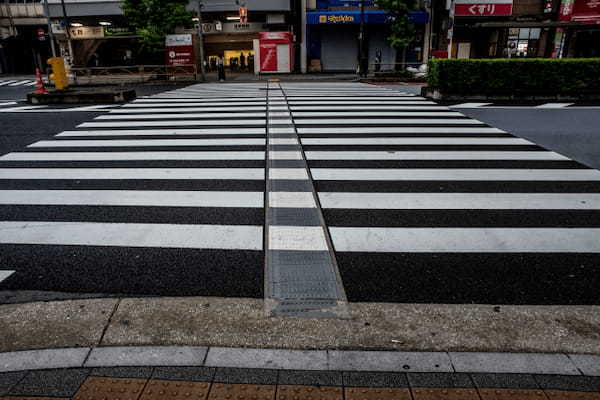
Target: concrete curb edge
<point>315,360</point>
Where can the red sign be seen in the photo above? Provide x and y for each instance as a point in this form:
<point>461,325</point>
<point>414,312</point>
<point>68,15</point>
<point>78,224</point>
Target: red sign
<point>287,36</point>
<point>268,57</point>
<point>179,50</point>
<point>587,11</point>
<point>482,9</point>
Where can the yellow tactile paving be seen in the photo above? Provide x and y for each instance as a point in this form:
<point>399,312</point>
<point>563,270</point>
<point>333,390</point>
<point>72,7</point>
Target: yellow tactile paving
<point>366,393</point>
<point>298,392</point>
<point>175,390</point>
<point>512,394</point>
<point>224,391</point>
<point>444,394</point>
<point>97,388</point>
<point>571,395</point>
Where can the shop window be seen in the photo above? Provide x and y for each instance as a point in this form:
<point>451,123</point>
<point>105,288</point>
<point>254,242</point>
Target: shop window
<point>523,42</point>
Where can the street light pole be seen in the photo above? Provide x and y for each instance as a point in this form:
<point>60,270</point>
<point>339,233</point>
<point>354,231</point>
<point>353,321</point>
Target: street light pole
<point>201,42</point>
<point>50,34</point>
<point>361,50</point>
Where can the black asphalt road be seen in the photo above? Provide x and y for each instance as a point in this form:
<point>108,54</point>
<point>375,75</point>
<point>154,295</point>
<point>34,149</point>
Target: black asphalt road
<point>50,271</point>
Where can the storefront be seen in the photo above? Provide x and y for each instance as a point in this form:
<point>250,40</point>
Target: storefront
<point>586,39</point>
<point>233,41</point>
<point>333,39</point>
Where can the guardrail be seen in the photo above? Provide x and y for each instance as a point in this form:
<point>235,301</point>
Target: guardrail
<point>134,73</point>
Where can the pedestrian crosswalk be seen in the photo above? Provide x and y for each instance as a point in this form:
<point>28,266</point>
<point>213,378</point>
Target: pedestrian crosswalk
<point>192,196</point>
<point>17,82</point>
<point>181,193</point>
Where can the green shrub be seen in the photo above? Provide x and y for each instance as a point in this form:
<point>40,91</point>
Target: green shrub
<point>509,76</point>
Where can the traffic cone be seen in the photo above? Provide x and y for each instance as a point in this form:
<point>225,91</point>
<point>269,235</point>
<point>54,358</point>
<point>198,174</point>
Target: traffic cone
<point>39,83</point>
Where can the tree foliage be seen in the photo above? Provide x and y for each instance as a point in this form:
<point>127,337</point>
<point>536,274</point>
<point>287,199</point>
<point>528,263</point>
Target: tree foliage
<point>154,19</point>
<point>403,32</point>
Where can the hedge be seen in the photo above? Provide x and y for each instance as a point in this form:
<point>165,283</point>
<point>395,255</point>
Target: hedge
<point>510,76</point>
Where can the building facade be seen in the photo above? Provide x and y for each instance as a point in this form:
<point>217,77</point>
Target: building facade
<point>333,30</point>
<point>522,28</point>
<point>23,36</point>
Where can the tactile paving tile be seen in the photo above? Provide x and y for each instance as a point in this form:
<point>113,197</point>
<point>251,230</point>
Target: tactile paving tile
<point>571,395</point>
<point>511,394</point>
<point>444,394</point>
<point>159,389</point>
<point>224,391</point>
<point>96,388</point>
<point>365,393</point>
<point>297,392</point>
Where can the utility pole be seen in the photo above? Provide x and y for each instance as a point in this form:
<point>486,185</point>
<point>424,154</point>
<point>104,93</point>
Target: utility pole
<point>303,45</point>
<point>201,42</point>
<point>68,60</point>
<point>50,34</point>
<point>362,62</point>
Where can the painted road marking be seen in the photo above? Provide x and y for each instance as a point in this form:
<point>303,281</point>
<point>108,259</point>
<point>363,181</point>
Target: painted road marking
<point>285,155</point>
<point>5,274</point>
<point>133,173</point>
<point>244,237</point>
<point>425,114</point>
<point>292,200</point>
<point>136,155</point>
<point>417,130</point>
<point>174,106</point>
<point>8,103</point>
<point>149,143</point>
<point>20,82</point>
<point>7,83</point>
<point>166,132</point>
<point>447,174</point>
<point>283,141</point>
<point>461,201</point>
<point>554,105</point>
<point>233,122</point>
<point>231,110</point>
<point>415,141</point>
<point>374,106</point>
<point>433,155</point>
<point>133,198</point>
<point>303,238</point>
<point>183,116</point>
<point>470,105</point>
<point>394,121</point>
<point>288,173</point>
<point>466,240</point>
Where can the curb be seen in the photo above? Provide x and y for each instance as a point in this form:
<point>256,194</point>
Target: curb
<point>312,360</point>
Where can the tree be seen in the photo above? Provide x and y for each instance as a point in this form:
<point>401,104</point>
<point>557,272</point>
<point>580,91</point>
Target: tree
<point>402,31</point>
<point>154,19</point>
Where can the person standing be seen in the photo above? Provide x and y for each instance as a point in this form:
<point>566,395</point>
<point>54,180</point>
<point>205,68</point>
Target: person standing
<point>221,69</point>
<point>242,62</point>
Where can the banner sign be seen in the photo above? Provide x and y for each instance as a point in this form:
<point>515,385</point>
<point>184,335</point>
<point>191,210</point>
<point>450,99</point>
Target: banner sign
<point>482,8</point>
<point>587,11</point>
<point>180,49</point>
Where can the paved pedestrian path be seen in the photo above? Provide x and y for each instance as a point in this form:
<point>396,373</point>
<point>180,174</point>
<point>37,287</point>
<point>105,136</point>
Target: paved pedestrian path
<point>309,195</point>
<point>156,382</point>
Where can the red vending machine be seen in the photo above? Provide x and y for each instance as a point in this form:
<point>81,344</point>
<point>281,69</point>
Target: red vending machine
<point>276,52</point>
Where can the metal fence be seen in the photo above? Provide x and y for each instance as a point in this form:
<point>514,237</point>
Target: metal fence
<point>134,73</point>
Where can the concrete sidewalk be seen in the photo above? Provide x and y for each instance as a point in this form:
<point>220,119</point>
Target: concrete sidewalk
<point>237,322</point>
